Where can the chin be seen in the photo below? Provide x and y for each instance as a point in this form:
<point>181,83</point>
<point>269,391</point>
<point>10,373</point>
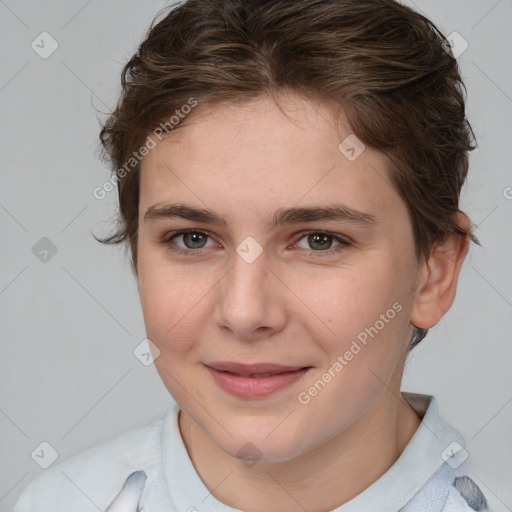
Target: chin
<point>256,445</point>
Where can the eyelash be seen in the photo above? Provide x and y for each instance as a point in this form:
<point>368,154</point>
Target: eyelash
<point>198,252</point>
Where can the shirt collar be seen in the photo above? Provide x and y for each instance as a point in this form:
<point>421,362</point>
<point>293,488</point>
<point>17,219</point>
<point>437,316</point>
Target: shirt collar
<point>417,464</point>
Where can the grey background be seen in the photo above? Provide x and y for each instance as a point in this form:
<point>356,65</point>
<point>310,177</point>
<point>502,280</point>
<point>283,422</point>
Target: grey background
<point>69,325</point>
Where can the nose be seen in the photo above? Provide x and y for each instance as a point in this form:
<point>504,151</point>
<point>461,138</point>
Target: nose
<point>250,303</point>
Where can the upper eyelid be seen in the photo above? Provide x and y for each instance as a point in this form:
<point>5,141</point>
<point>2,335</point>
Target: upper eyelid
<point>342,239</point>
<point>169,236</point>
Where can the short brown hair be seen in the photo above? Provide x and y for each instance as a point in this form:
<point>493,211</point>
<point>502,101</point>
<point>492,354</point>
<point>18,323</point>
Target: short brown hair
<point>386,66</point>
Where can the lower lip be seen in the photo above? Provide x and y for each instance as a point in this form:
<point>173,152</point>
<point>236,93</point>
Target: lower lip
<point>255,387</point>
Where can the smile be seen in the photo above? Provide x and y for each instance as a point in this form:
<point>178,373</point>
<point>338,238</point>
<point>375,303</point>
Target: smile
<point>256,380</point>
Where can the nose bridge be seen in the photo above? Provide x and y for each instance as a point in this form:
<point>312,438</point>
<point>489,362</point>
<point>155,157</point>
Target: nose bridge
<point>247,283</point>
<point>248,296</point>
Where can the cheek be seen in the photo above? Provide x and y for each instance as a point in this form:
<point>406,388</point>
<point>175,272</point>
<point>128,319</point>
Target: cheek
<point>365,320</point>
<point>159,297</point>
<point>174,306</point>
<point>346,302</point>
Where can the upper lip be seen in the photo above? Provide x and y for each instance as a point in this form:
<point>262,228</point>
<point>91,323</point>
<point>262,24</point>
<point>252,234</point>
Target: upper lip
<point>256,368</point>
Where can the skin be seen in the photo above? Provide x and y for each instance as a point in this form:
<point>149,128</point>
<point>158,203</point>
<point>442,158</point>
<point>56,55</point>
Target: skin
<point>298,303</point>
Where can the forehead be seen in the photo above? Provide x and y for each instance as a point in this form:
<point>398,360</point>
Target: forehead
<point>266,155</point>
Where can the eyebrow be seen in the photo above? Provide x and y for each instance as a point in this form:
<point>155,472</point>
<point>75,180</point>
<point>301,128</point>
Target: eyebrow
<point>281,217</point>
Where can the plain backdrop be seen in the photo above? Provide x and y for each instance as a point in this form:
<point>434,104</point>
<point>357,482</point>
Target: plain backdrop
<point>70,318</point>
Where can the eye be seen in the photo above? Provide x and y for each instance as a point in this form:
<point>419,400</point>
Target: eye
<point>321,241</point>
<point>193,241</point>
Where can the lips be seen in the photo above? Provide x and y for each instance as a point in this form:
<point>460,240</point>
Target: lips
<point>253,370</point>
<point>254,381</point>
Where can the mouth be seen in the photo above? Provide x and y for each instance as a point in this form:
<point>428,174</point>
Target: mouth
<point>254,380</point>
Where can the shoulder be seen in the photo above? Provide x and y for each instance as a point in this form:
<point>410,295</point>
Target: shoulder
<point>90,479</point>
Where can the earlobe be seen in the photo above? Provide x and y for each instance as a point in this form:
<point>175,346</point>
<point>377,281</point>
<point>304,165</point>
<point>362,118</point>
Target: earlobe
<point>439,276</point>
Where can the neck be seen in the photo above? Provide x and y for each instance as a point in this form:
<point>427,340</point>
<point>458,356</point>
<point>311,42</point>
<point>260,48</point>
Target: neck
<point>330,475</point>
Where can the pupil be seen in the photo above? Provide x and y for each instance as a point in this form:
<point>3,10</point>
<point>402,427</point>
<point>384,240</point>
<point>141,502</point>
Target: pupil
<point>319,239</point>
<point>194,237</point>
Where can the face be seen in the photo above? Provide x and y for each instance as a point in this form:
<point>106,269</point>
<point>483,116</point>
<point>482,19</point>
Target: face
<point>268,278</point>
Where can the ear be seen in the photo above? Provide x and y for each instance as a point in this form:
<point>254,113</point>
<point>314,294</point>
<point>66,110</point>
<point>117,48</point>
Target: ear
<point>438,278</point>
